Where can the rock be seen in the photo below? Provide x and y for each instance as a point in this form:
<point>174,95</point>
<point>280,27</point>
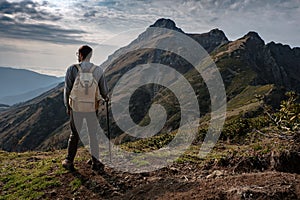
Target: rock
<point>53,193</point>
<point>215,174</point>
<point>174,170</point>
<point>185,178</point>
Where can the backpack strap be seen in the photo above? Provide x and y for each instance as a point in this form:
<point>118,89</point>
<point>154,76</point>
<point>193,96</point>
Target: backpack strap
<point>78,67</point>
<point>93,68</point>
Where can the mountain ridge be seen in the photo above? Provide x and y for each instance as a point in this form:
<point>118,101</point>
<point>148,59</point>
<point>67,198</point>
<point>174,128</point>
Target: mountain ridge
<point>15,82</point>
<point>247,66</point>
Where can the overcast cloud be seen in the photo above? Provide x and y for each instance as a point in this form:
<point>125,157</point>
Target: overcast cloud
<point>273,19</point>
<point>28,20</point>
<point>49,25</point>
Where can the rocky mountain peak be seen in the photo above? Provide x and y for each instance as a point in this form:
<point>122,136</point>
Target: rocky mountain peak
<point>279,47</point>
<point>166,23</point>
<point>253,36</point>
<point>217,33</point>
<point>210,40</point>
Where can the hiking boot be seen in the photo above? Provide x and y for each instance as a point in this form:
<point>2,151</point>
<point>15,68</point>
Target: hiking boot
<point>67,164</point>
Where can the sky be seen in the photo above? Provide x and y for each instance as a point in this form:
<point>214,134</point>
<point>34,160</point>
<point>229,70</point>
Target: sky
<point>44,36</point>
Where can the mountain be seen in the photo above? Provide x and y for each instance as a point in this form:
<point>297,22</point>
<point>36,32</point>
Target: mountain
<point>34,122</point>
<point>25,96</point>
<point>248,66</point>
<point>19,85</point>
<point>3,107</point>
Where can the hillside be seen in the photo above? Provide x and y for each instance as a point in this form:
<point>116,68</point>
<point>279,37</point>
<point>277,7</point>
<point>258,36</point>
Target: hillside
<point>34,122</point>
<point>20,85</point>
<point>248,66</point>
<point>230,172</point>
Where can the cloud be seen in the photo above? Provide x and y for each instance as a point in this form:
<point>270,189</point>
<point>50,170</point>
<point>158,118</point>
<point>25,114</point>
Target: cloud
<point>27,10</point>
<point>236,17</point>
<point>100,19</point>
<point>89,14</point>
<point>62,25</point>
<point>28,20</point>
<point>6,19</point>
<point>41,32</point>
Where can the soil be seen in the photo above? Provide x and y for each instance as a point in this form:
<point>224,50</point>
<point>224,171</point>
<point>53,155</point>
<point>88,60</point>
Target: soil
<point>180,181</point>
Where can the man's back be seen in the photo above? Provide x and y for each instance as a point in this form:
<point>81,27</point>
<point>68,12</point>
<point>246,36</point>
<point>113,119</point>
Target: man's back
<point>72,73</point>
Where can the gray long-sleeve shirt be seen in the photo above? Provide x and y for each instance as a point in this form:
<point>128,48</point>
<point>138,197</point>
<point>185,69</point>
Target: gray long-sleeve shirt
<point>71,76</point>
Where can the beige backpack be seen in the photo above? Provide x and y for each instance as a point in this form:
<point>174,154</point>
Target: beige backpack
<point>85,95</point>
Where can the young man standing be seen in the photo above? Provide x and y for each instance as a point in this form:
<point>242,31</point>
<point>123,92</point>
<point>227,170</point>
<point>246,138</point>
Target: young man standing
<point>76,113</point>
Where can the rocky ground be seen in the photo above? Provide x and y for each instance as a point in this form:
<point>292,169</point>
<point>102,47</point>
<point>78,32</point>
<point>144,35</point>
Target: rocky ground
<point>179,182</point>
<point>241,179</point>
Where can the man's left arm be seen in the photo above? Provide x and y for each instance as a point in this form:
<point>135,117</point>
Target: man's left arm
<point>103,87</point>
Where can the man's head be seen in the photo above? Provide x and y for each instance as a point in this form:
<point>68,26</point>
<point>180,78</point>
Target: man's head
<point>85,53</point>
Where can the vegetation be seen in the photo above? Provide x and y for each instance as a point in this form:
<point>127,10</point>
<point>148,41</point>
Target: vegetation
<point>288,117</point>
<point>245,138</point>
<point>243,134</point>
<point>28,175</point>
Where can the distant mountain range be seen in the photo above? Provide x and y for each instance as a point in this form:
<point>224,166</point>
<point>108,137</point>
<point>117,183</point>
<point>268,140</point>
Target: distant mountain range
<point>248,66</point>
<point>20,85</point>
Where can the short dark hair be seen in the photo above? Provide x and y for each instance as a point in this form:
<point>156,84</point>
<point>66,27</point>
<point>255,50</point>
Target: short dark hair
<point>85,51</point>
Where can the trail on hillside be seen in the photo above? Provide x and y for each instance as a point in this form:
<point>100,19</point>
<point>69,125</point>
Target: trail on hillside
<point>271,175</point>
<point>180,181</point>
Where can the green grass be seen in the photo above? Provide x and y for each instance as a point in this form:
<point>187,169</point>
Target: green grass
<point>25,175</point>
<point>75,184</point>
<point>149,144</point>
<point>248,96</point>
<point>226,152</point>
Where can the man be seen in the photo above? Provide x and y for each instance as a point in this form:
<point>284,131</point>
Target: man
<point>76,117</point>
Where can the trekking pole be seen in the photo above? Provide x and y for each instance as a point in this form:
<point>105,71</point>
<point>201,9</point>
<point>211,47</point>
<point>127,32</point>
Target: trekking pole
<point>108,129</point>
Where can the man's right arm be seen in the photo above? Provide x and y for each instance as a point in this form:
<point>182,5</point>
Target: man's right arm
<point>69,81</point>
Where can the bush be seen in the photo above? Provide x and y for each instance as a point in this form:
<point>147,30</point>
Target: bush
<point>288,117</point>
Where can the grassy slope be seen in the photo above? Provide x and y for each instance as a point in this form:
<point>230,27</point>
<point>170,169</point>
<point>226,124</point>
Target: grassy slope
<point>39,175</point>
<point>28,175</point>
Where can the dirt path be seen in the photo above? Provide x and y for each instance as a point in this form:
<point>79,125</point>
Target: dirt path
<point>267,185</point>
<point>177,182</point>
